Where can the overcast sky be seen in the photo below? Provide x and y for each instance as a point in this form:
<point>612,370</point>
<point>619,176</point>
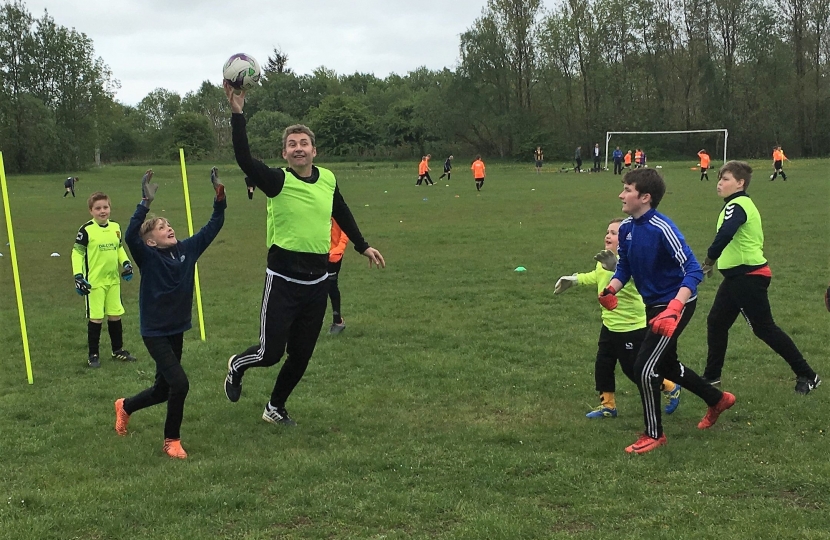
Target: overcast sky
<point>177,44</point>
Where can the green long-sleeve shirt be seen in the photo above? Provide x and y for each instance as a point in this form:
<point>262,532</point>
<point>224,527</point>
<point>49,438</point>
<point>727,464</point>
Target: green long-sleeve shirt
<point>630,313</point>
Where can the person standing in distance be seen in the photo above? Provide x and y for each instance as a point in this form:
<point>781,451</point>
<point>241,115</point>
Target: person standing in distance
<point>478,172</point>
<point>302,200</point>
<point>539,156</point>
<point>704,158</point>
<point>597,162</point>
<point>618,160</point>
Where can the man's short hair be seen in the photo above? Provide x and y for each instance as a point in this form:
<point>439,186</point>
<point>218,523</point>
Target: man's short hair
<point>97,196</point>
<point>740,170</point>
<point>147,227</point>
<point>298,128</point>
<point>647,181</point>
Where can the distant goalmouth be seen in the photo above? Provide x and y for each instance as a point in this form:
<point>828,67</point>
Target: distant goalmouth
<point>609,134</point>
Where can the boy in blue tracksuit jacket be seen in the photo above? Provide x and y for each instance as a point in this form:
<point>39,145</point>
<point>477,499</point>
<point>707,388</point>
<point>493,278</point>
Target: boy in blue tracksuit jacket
<point>618,160</point>
<point>165,302</point>
<point>653,252</point>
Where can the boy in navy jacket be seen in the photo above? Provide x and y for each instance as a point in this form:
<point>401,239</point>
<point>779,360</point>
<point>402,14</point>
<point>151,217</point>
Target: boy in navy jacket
<point>653,252</point>
<point>165,302</point>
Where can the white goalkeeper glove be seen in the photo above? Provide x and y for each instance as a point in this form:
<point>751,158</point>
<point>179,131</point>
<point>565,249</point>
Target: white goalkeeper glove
<point>565,283</point>
<point>608,259</point>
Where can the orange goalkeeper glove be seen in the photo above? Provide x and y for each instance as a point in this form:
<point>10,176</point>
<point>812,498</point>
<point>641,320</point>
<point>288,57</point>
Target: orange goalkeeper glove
<point>608,298</point>
<point>665,323</point>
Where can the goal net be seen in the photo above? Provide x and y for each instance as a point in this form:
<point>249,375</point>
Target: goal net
<point>609,134</point>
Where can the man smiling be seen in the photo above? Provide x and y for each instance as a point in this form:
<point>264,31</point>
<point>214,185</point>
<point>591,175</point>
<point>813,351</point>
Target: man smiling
<point>302,199</point>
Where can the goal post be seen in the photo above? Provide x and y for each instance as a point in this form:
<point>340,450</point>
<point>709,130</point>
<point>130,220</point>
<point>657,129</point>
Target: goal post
<point>608,135</point>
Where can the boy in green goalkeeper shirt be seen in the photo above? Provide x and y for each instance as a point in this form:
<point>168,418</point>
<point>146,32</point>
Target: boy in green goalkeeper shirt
<point>99,262</point>
<point>623,329</point>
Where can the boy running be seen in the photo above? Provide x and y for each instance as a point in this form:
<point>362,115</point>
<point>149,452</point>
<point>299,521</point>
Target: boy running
<point>98,263</point>
<point>478,172</point>
<point>623,329</point>
<point>165,301</point>
<point>339,241</point>
<point>738,248</point>
<point>778,158</point>
<point>704,164</point>
<point>653,252</point>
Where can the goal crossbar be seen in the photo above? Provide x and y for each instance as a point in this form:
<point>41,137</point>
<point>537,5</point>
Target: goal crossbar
<point>608,135</point>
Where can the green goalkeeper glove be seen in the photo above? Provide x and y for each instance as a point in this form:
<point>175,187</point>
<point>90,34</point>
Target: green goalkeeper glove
<point>607,258</point>
<point>564,283</point>
<point>708,267</point>
<point>148,190</point>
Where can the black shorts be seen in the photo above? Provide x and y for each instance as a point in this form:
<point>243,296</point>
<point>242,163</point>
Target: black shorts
<point>538,162</point>
<point>778,165</point>
<point>480,180</point>
<point>447,171</point>
<point>703,169</point>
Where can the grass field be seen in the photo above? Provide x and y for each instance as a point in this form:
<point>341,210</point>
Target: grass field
<point>453,404</point>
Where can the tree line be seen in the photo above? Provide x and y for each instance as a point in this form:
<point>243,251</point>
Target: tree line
<point>528,75</point>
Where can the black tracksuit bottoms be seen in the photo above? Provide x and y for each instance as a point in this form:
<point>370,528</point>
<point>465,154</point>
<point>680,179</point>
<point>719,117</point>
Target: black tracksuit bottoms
<point>747,294</point>
<point>290,321</point>
<point>171,384</point>
<point>656,360</point>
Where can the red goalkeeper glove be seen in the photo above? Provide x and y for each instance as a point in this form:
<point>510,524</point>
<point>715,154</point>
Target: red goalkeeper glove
<point>666,322</point>
<point>608,298</point>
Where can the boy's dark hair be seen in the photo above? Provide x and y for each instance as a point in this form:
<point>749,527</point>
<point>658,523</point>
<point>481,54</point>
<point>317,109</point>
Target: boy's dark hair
<point>97,196</point>
<point>478,156</point>
<point>740,170</point>
<point>297,128</point>
<point>647,181</point>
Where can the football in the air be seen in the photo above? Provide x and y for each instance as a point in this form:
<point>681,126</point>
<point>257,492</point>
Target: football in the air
<point>242,71</point>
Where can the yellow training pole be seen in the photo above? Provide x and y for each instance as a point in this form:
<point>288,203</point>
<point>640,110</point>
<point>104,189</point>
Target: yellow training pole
<point>15,272</point>
<point>190,229</point>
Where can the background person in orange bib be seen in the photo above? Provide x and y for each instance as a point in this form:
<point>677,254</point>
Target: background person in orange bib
<point>778,158</point>
<point>704,164</point>
<point>478,172</point>
<point>627,160</point>
<point>423,172</point>
<point>339,241</point>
